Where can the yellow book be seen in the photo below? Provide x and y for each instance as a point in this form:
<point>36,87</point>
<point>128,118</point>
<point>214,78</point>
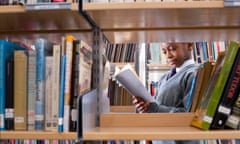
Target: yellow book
<point>20,90</point>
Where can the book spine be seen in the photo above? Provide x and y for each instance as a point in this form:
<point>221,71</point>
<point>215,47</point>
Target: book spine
<point>48,93</point>
<point>9,109</point>
<point>2,86</point>
<point>56,86</point>
<point>6,52</point>
<point>40,76</point>
<point>229,96</point>
<point>68,76</point>
<point>221,82</point>
<point>74,90</point>
<point>233,121</point>
<point>85,72</point>
<point>31,89</point>
<point>205,51</point>
<point>191,93</point>
<point>61,100</point>
<point>20,90</point>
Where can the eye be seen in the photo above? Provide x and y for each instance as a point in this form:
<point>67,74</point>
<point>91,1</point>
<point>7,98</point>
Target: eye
<point>171,48</point>
<point>164,52</point>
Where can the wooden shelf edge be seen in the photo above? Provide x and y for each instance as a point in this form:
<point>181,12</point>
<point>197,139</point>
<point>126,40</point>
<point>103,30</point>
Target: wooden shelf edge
<point>158,133</point>
<point>11,9</point>
<point>21,9</point>
<point>123,109</point>
<point>153,5</point>
<point>38,135</point>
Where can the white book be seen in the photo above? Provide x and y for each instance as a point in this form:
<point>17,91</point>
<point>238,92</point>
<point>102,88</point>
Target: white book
<point>68,76</point>
<point>129,79</point>
<point>48,93</point>
<point>56,86</point>
<point>31,89</point>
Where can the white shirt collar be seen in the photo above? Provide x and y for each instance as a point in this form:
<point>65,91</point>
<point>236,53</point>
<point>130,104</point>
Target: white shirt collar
<point>186,63</point>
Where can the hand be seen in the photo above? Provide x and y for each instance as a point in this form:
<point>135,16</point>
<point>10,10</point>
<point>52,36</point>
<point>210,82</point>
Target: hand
<point>140,104</point>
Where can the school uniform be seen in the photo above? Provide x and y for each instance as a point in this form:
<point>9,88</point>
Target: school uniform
<point>172,94</point>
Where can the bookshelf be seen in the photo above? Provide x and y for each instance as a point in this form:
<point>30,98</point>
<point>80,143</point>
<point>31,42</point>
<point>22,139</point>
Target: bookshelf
<point>145,22</point>
<point>37,135</point>
<point>154,22</point>
<point>143,126</point>
<point>165,21</point>
<point>19,23</point>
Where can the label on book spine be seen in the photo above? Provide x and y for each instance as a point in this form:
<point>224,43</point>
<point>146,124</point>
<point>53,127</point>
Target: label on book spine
<point>207,119</point>
<point>233,119</point>
<point>1,121</point>
<point>224,110</point>
<point>9,113</point>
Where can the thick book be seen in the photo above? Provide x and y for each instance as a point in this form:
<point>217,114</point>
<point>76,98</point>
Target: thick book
<point>205,97</point>
<point>233,121</point>
<point>6,52</point>
<point>43,48</point>
<point>203,76</point>
<point>214,95</point>
<point>129,79</point>
<point>81,76</point>
<point>20,90</point>
<point>85,72</point>
<point>230,95</point>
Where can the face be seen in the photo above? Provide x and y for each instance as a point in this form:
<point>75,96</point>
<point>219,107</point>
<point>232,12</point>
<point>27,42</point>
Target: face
<point>177,53</point>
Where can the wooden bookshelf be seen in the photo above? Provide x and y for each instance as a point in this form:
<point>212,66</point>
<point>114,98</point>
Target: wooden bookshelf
<point>153,127</point>
<point>18,24</point>
<point>37,135</point>
<point>165,21</point>
<point>16,19</point>
<point>130,22</point>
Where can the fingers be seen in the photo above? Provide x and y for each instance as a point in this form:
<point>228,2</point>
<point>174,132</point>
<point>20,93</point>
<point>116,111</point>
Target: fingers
<point>140,104</point>
<point>136,99</point>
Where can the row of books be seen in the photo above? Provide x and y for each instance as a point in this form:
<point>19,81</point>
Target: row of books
<point>202,52</point>
<point>42,84</point>
<point>118,95</point>
<point>216,93</point>
<point>120,52</point>
<point>208,51</point>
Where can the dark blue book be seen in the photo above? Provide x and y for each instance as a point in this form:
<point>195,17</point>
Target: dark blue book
<point>6,53</point>
<point>9,104</point>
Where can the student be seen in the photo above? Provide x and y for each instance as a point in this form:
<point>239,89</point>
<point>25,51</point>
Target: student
<point>173,89</point>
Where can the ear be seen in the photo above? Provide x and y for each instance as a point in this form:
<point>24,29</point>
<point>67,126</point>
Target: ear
<point>190,46</point>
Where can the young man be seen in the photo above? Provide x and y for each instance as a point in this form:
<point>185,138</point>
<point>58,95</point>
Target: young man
<point>173,88</point>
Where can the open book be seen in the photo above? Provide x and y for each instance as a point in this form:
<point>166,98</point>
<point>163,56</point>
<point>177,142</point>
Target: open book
<point>129,79</point>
